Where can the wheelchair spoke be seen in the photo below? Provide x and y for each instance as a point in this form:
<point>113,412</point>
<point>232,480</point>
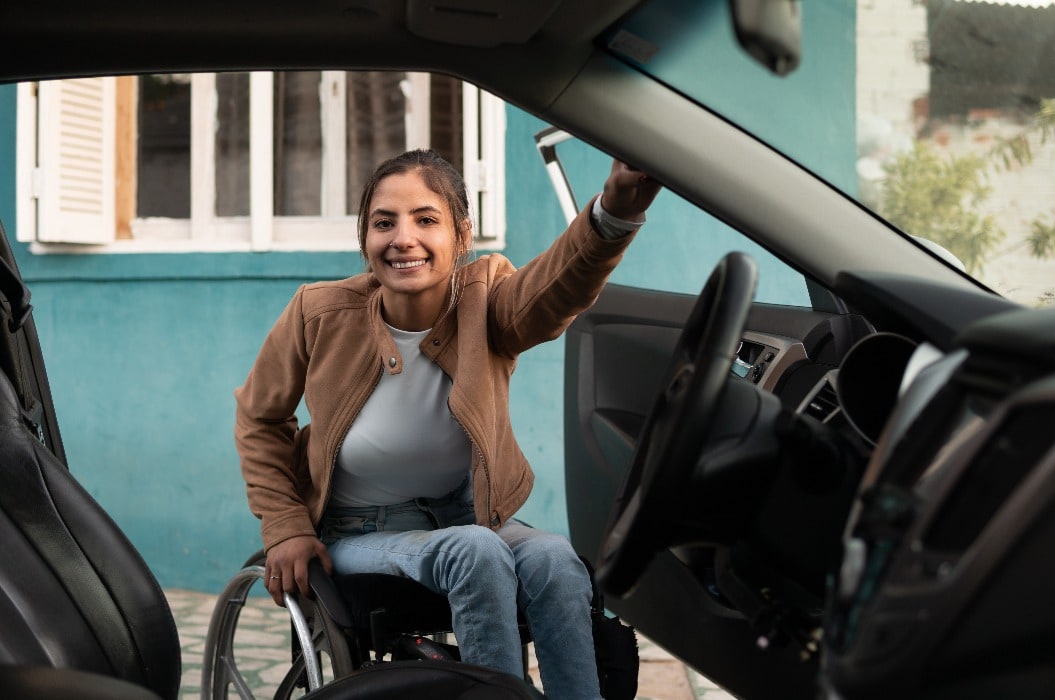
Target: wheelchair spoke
<point>219,667</point>
<point>292,682</point>
<point>235,678</point>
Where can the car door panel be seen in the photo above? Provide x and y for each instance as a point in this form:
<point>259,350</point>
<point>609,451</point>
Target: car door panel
<point>616,358</point>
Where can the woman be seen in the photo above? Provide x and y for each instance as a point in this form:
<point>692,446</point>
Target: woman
<point>409,465</point>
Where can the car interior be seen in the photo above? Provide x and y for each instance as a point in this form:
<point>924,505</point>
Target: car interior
<point>847,499</point>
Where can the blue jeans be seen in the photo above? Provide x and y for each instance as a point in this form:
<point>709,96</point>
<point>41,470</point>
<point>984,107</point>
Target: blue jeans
<point>486,576</point>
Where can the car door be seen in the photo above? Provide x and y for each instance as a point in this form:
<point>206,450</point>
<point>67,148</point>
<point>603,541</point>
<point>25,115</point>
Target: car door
<point>616,357</point>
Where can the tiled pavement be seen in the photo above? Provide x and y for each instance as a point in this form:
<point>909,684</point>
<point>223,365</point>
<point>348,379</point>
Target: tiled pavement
<point>263,643</point>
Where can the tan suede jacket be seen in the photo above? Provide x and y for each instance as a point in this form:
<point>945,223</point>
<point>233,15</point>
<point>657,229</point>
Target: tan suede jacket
<point>330,346</point>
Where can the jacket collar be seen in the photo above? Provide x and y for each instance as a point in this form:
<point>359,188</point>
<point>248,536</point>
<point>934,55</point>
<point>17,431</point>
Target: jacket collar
<point>388,354</point>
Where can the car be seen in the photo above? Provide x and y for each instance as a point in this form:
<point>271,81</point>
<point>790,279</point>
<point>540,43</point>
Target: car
<point>806,427</point>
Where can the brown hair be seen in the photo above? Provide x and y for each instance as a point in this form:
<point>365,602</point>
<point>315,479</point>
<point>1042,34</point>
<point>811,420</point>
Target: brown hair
<point>442,178</point>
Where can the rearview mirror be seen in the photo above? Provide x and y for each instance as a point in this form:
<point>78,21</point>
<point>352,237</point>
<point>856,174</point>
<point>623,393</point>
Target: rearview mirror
<point>771,31</point>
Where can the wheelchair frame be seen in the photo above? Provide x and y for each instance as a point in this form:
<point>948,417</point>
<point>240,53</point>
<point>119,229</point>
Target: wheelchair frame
<point>326,628</point>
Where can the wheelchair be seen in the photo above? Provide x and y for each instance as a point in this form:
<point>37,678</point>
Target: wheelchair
<point>359,621</point>
<point>352,623</point>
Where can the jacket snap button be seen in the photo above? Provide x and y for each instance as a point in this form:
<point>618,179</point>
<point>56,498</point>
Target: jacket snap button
<point>391,362</point>
<point>436,341</point>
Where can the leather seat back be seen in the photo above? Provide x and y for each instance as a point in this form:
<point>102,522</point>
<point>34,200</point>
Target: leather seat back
<point>74,593</point>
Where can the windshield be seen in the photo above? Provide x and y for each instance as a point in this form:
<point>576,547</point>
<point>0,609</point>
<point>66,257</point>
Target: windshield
<point>939,115</point>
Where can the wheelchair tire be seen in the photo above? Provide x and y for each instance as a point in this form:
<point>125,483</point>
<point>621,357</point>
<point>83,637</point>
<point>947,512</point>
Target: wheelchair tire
<point>220,668</point>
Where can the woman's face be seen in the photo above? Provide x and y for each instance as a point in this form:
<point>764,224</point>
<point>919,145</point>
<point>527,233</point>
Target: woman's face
<point>411,245</point>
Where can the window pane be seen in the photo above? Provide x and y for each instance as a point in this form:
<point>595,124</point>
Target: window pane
<point>298,144</point>
<point>232,144</point>
<point>376,126</point>
<point>163,180</point>
<point>446,118</point>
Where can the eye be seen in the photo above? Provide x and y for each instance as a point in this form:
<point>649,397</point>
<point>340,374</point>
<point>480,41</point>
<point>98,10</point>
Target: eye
<point>428,220</point>
<point>381,224</point>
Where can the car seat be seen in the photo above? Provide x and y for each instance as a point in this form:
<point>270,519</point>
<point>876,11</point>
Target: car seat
<point>74,593</point>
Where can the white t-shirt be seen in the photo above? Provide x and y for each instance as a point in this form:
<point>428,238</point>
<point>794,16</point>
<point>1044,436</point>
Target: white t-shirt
<point>405,443</point>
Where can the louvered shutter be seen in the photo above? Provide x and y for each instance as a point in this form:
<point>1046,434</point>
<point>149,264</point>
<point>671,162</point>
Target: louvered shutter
<point>77,144</point>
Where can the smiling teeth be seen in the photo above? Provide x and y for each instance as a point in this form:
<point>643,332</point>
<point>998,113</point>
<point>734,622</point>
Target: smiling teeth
<point>405,265</point>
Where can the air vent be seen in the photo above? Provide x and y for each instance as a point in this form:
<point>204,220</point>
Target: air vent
<point>824,403</point>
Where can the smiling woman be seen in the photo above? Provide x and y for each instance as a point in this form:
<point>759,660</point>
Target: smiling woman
<point>410,466</point>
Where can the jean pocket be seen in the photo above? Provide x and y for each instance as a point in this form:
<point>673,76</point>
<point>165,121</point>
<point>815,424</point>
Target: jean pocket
<point>333,529</point>
<point>455,513</point>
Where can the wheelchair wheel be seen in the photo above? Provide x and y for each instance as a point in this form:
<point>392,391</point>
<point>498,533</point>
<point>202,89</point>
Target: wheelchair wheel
<point>328,656</point>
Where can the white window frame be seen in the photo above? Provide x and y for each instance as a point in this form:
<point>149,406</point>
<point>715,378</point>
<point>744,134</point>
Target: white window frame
<point>483,157</point>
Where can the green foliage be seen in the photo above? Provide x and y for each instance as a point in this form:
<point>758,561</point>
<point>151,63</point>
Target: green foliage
<point>1041,238</point>
<point>936,198</point>
<point>1017,150</point>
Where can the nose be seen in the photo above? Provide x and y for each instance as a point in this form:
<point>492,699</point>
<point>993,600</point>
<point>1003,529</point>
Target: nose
<point>402,235</point>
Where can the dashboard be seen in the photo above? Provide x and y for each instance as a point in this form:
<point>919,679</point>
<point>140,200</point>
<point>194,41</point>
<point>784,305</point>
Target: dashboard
<point>945,551</point>
<point>938,593</point>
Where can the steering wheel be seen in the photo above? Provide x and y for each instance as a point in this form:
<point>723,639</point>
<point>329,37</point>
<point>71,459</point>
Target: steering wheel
<point>678,427</point>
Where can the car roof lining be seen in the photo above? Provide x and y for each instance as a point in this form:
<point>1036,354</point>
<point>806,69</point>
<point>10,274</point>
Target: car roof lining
<point>500,44</point>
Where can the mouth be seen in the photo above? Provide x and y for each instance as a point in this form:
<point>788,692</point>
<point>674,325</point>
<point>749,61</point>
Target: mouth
<point>407,264</point>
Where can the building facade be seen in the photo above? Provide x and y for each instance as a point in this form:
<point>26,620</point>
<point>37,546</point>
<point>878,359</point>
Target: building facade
<point>156,275</point>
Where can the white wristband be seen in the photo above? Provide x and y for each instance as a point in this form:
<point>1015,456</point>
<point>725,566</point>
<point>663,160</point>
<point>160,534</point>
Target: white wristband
<point>611,227</point>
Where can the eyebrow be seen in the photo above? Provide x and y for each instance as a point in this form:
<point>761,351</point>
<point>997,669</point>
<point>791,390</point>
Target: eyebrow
<point>387,212</point>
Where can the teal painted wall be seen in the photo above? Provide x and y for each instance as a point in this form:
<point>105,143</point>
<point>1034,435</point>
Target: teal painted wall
<point>144,351</point>
<point>7,157</point>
